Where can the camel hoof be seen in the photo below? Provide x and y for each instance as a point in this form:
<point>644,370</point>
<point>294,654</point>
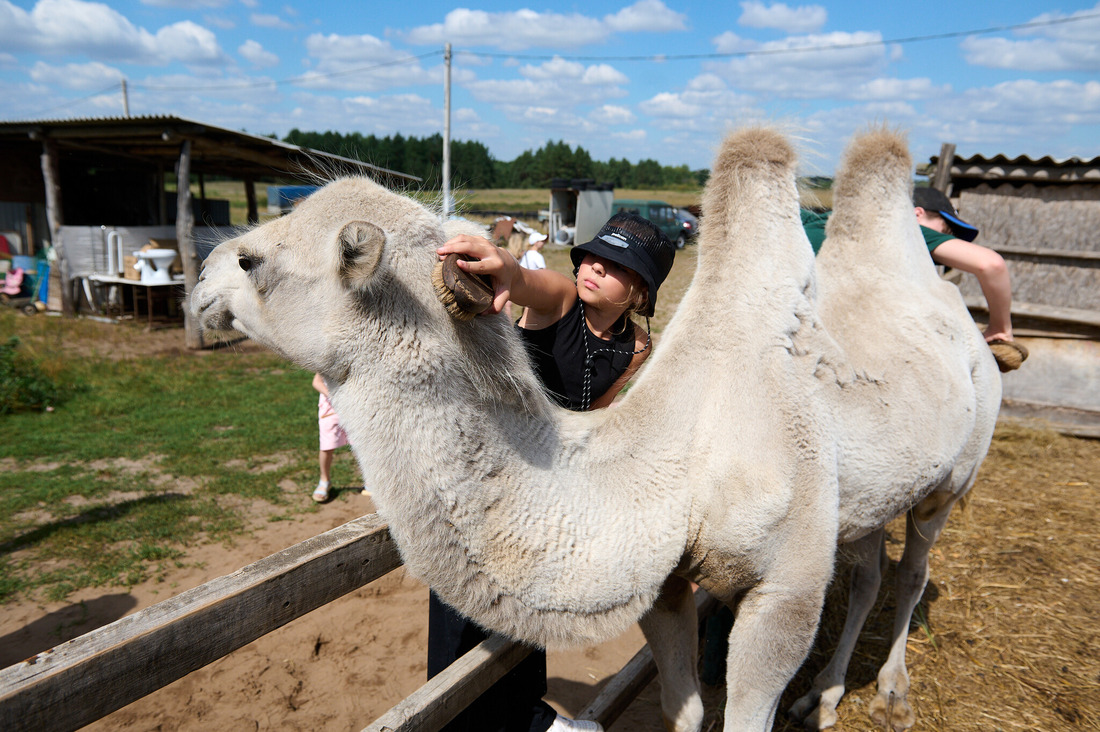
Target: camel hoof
<point>812,712</point>
<point>892,712</point>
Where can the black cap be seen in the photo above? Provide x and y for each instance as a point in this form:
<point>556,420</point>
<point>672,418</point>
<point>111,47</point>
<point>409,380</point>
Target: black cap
<point>636,243</point>
<point>933,199</point>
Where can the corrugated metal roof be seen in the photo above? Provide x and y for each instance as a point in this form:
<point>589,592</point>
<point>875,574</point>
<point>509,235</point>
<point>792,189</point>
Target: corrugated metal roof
<point>158,137</point>
<point>1023,169</point>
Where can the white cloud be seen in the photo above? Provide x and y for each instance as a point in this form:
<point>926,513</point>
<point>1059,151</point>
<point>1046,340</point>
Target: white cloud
<point>219,21</point>
<point>807,67</point>
<point>1063,46</point>
<point>894,89</point>
<point>99,32</point>
<point>565,84</point>
<point>646,16</point>
<point>254,53</point>
<point>555,68</point>
<point>804,19</point>
<point>667,104</point>
<point>518,30</point>
<point>730,42</point>
<point>84,77</point>
<point>190,43</point>
<point>610,114</point>
<point>266,20</point>
<point>1041,54</point>
<point>361,62</point>
<point>186,4</point>
<point>604,75</point>
<point>512,31</point>
<point>1063,103</point>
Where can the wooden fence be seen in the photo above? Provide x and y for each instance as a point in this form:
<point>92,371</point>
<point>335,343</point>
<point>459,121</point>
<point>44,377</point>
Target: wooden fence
<point>87,678</point>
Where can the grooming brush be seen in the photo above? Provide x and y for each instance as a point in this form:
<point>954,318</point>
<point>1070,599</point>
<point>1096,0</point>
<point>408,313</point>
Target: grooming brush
<point>463,294</point>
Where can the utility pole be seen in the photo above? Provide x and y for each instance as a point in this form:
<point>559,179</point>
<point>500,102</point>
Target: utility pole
<point>125,100</point>
<point>447,202</point>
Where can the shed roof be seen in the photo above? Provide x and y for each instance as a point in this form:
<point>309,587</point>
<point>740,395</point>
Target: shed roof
<point>966,172</point>
<point>214,150</point>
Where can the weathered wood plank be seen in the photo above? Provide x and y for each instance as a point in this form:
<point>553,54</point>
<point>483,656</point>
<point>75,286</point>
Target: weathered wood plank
<point>1070,256</point>
<point>448,693</point>
<point>1075,316</point>
<point>89,677</point>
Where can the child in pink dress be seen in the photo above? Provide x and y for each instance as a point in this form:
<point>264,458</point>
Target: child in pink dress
<point>332,436</point>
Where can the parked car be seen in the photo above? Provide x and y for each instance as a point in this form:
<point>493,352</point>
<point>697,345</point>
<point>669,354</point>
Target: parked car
<point>689,223</point>
<point>660,213</point>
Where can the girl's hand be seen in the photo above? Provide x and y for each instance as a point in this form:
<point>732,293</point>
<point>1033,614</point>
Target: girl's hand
<point>490,260</point>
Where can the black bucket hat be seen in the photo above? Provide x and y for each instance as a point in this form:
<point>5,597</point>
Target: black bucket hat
<point>636,243</point>
<point>933,199</point>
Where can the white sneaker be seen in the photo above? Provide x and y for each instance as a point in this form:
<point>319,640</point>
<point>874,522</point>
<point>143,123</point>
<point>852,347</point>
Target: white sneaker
<point>320,494</point>
<point>565,724</point>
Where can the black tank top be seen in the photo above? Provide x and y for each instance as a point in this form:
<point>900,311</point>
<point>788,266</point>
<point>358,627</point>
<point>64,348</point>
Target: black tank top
<point>558,355</point>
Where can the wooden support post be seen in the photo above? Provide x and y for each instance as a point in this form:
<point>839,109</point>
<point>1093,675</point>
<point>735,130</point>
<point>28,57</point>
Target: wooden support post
<point>941,180</point>
<point>185,241</point>
<point>250,196</point>
<point>51,176</point>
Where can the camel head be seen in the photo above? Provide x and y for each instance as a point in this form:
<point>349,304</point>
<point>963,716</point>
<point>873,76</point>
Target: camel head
<point>343,283</point>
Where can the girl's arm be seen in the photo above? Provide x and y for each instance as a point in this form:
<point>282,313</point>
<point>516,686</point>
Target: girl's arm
<point>546,294</point>
<point>608,396</point>
<point>989,267</point>
<point>320,385</point>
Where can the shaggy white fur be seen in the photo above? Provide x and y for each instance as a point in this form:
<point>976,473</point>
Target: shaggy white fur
<point>721,465</point>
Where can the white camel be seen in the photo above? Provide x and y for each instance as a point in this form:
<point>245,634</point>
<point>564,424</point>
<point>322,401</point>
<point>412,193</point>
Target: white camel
<point>720,466</point>
<point>915,396</point>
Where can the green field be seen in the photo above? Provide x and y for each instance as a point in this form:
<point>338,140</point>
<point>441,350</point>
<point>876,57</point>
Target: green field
<point>149,453</point>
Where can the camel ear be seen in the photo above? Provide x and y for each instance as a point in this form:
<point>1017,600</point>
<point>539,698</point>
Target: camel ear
<point>360,251</point>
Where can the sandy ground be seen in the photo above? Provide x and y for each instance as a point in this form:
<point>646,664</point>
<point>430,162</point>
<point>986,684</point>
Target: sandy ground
<point>1005,638</point>
<point>337,668</point>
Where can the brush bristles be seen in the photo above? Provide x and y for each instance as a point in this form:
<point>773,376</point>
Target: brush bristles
<point>447,296</point>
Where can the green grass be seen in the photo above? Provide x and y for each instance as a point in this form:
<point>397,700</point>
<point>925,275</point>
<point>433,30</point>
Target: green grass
<point>147,455</point>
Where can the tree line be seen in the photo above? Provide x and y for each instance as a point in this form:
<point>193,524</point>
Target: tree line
<point>472,166</point>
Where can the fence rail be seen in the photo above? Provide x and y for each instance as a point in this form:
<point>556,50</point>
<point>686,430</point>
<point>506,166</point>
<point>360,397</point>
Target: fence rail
<point>87,678</point>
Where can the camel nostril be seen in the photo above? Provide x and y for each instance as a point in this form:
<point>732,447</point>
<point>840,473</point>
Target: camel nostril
<point>245,263</point>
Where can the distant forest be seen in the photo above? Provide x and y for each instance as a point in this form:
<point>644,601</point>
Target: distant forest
<point>473,167</point>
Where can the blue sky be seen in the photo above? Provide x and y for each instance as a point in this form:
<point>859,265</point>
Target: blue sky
<point>629,79</point>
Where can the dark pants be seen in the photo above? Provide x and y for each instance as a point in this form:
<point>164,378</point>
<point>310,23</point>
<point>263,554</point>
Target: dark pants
<point>512,704</point>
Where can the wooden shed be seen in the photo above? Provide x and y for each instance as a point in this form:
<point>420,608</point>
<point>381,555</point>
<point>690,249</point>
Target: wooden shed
<point>111,172</point>
<point>1043,216</point>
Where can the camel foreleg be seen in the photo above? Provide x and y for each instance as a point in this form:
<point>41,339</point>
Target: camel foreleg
<point>771,636</point>
<point>817,709</point>
<point>671,629</point>
<point>890,708</point>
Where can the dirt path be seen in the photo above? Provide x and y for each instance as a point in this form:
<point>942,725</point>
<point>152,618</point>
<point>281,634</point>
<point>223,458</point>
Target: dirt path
<point>1005,637</point>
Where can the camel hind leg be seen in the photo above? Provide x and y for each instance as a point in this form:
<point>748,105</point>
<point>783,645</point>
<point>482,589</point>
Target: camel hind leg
<point>890,708</point>
<point>817,709</point>
<point>671,629</point>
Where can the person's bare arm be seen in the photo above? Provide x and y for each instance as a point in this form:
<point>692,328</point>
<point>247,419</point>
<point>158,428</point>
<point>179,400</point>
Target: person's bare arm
<point>320,385</point>
<point>992,273</point>
<point>545,293</point>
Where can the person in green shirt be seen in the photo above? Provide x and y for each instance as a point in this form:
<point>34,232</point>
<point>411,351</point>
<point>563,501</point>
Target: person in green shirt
<point>950,241</point>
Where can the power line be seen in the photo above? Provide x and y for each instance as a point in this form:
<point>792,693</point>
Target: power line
<point>801,49</point>
<point>73,102</point>
<point>290,80</point>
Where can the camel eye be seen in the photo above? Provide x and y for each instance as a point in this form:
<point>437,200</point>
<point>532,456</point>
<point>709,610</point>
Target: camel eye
<point>245,263</point>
